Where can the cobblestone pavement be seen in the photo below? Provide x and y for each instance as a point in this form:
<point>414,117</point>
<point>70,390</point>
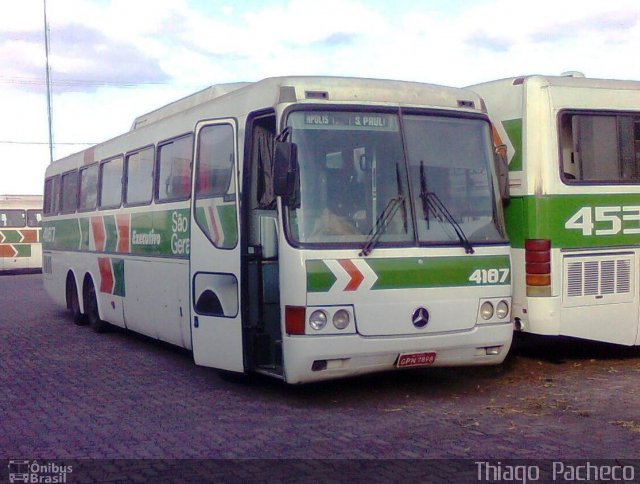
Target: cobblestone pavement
<point>69,393</point>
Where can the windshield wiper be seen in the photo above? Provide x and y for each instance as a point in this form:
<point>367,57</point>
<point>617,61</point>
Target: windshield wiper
<point>381,224</point>
<point>431,202</point>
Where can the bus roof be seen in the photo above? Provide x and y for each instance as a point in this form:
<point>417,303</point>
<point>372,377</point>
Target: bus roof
<point>573,79</point>
<point>190,101</point>
<point>317,87</point>
<point>269,92</point>
<point>21,201</point>
<point>18,198</point>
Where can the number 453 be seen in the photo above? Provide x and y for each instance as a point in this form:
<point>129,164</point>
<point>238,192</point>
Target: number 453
<point>610,220</point>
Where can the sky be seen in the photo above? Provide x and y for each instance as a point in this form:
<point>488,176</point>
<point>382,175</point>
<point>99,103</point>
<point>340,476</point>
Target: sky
<point>113,60</point>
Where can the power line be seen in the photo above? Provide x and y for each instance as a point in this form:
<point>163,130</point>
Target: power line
<point>8,142</point>
<point>34,81</point>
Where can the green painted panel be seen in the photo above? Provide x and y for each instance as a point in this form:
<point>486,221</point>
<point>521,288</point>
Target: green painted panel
<point>419,272</point>
<point>60,234</point>
<point>319,276</point>
<point>229,222</point>
<point>24,250</point>
<point>164,233</point>
<point>513,128</point>
<point>427,272</point>
<point>111,233</point>
<point>575,221</point>
<point>118,276</point>
<point>84,233</point>
<point>10,236</point>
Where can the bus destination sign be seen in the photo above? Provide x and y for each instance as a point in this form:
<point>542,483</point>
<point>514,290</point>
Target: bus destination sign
<point>369,121</point>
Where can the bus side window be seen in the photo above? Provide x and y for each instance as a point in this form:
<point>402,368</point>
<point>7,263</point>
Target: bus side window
<point>174,169</point>
<point>69,196</point>
<point>139,177</point>
<point>13,218</point>
<point>215,185</point>
<point>52,195</point>
<point>111,183</point>
<point>34,218</point>
<point>88,196</point>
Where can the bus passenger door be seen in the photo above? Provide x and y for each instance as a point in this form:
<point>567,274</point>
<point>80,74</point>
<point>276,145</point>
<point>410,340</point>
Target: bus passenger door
<point>216,325</point>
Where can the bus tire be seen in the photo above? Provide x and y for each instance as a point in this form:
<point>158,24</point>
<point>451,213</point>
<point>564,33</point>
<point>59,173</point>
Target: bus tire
<point>91,309</point>
<point>233,377</point>
<point>73,302</point>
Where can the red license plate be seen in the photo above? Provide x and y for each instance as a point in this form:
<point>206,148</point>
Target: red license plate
<point>408,360</point>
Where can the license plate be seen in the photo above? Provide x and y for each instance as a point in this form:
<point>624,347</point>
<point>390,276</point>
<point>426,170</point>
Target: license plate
<point>409,360</point>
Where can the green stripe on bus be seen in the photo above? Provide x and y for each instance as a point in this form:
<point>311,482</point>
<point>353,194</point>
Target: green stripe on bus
<point>319,276</point>
<point>163,233</point>
<point>65,234</point>
<point>513,128</point>
<point>227,214</point>
<point>24,250</point>
<point>84,234</point>
<point>575,221</point>
<point>430,272</point>
<point>10,236</point>
<point>416,272</point>
<point>118,276</point>
<point>111,233</point>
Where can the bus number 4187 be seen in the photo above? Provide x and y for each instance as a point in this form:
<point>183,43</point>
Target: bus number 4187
<point>489,276</point>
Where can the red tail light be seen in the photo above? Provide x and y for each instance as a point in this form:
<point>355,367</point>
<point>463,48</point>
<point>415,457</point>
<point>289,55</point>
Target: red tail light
<point>294,319</point>
<point>537,256</point>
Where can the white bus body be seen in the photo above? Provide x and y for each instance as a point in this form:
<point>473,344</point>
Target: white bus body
<point>186,240</point>
<point>20,221</point>
<point>574,214</point>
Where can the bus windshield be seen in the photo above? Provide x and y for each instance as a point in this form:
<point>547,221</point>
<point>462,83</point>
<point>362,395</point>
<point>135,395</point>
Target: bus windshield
<point>363,178</point>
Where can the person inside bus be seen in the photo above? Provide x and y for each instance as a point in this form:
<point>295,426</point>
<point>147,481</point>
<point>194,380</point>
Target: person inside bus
<point>344,200</point>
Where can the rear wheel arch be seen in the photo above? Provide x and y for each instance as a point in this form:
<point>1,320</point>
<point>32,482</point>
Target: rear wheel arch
<point>91,306</point>
<point>74,301</point>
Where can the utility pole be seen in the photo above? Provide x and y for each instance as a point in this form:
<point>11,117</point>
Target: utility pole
<point>46,50</point>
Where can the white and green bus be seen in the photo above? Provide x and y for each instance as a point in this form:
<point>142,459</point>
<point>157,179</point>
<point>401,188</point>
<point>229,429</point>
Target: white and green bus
<point>301,227</point>
<point>573,145</point>
<point>20,222</point>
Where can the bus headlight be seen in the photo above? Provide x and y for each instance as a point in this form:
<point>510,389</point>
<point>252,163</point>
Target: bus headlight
<point>502,309</point>
<point>341,319</point>
<point>318,320</point>
<point>486,310</point>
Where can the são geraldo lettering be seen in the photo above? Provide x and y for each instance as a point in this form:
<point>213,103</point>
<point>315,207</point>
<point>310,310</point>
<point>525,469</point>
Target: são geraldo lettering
<point>179,225</point>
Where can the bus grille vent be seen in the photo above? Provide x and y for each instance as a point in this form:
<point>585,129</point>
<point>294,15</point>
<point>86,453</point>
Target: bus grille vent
<point>602,277</point>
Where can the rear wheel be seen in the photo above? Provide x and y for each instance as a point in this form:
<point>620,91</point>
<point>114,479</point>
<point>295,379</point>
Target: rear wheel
<point>73,302</point>
<point>91,310</point>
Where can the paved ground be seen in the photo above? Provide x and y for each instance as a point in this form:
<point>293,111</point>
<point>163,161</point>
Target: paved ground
<point>69,393</point>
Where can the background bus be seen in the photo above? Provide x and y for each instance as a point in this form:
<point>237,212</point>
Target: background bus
<point>574,213</point>
<point>20,221</point>
<point>306,228</point>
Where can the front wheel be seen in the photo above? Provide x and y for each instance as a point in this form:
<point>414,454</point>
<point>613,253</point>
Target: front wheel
<point>233,376</point>
<point>91,310</point>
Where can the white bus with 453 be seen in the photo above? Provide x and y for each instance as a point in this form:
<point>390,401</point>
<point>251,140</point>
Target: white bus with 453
<point>573,218</point>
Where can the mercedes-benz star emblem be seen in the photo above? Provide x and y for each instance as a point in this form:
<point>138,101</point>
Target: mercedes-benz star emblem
<point>420,318</point>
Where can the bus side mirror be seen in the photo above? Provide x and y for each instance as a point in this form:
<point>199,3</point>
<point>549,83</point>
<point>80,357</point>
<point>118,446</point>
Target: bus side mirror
<point>285,169</point>
<point>502,171</point>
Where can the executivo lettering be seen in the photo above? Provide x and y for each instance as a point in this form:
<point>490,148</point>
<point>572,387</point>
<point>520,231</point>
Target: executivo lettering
<point>146,238</point>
